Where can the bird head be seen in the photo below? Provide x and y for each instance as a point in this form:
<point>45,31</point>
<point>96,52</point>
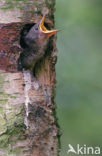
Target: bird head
<point>39,34</point>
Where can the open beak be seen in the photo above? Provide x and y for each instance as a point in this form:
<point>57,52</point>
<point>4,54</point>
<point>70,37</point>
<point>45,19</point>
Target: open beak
<point>44,30</point>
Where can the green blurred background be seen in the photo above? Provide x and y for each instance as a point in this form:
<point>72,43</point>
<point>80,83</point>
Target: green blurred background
<point>79,72</point>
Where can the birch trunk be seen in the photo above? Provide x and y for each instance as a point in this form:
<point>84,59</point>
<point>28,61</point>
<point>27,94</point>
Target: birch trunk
<point>28,125</point>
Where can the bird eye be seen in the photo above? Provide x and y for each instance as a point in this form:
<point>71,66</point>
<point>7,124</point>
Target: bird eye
<point>36,28</point>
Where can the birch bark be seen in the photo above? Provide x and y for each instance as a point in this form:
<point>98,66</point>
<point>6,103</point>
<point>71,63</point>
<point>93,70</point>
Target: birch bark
<point>28,125</point>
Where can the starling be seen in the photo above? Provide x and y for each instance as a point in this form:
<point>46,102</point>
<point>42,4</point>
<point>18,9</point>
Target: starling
<point>36,41</point>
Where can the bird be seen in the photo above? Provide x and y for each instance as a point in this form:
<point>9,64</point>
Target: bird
<point>36,41</point>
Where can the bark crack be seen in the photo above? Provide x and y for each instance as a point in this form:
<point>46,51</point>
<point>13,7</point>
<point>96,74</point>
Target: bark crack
<point>27,83</point>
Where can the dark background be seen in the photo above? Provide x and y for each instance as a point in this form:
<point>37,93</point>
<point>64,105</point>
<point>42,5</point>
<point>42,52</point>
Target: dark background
<point>79,72</point>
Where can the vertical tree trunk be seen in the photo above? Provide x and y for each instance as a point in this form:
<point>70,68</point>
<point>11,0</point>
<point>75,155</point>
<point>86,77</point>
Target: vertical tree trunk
<point>28,125</point>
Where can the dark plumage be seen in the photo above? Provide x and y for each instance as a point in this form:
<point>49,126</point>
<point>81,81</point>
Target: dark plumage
<point>36,42</point>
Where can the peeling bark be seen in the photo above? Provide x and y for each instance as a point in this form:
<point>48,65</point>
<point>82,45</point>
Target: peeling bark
<point>28,125</point>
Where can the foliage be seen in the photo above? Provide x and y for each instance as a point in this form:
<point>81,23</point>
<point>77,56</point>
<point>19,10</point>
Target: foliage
<point>79,75</point>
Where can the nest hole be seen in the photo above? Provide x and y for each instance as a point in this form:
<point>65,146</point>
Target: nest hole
<point>23,33</point>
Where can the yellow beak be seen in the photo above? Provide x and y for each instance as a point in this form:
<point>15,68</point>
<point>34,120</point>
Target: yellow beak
<point>44,30</point>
